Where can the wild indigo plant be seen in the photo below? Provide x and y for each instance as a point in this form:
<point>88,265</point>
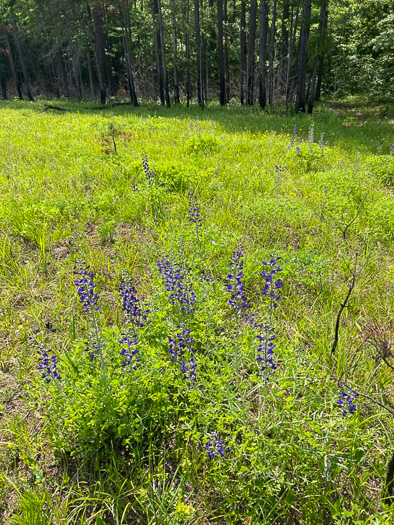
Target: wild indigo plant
<point>215,446</point>
<point>130,351</point>
<point>346,402</point>
<point>48,364</point>
<point>235,283</point>
<point>271,291</point>
<point>311,132</point>
<point>180,346</point>
<point>194,210</point>
<point>149,174</point>
<point>89,299</point>
<point>85,287</point>
<point>180,292</point>
<point>135,312</point>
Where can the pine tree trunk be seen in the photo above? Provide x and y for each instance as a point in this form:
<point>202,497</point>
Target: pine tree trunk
<point>251,47</point>
<point>156,36</point>
<point>318,55</point>
<point>242,51</point>
<point>22,62</point>
<point>272,57</point>
<point>163,55</point>
<point>187,52</point>
<point>263,34</point>
<point>100,53</point>
<point>11,63</point>
<point>291,52</point>
<point>175,53</point>
<point>226,64</point>
<point>303,55</point>
<point>222,83</point>
<point>322,54</point>
<point>200,87</point>
<point>3,85</point>
<point>284,47</point>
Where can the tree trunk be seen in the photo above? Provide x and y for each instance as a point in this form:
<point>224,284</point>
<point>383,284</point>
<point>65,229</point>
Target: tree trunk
<point>11,63</point>
<point>163,55</point>
<point>291,51</point>
<point>175,53</point>
<point>100,53</point>
<point>3,84</point>
<point>303,55</point>
<point>126,33</point>
<point>272,57</point>
<point>92,82</point>
<point>22,62</point>
<point>242,50</point>
<point>284,47</point>
<point>187,51</point>
<point>156,35</point>
<point>263,34</point>
<point>226,64</point>
<point>322,54</point>
<point>318,55</point>
<point>200,92</point>
<point>222,83</point>
<point>251,46</point>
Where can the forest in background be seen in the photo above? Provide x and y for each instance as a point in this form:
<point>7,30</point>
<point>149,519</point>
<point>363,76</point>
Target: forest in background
<point>264,52</point>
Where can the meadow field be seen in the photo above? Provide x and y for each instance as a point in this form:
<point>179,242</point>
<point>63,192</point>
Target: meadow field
<point>196,315</point>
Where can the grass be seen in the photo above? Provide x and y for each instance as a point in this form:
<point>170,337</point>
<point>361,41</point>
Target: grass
<point>110,446</point>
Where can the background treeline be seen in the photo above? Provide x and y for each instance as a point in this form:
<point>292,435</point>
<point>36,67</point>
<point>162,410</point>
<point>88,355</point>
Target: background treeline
<point>257,51</point>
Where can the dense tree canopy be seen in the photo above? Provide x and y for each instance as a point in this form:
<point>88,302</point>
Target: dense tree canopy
<point>270,51</point>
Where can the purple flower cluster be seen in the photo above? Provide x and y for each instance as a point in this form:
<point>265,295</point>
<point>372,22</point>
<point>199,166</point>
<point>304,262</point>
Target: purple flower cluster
<point>235,281</point>
<point>174,281</point>
<point>130,351</point>
<point>321,141</point>
<point>266,349</point>
<point>311,132</point>
<point>150,175</point>
<point>271,284</point>
<point>216,446</point>
<point>194,210</point>
<point>136,314</point>
<point>48,364</point>
<point>179,345</point>
<point>346,402</point>
<point>85,284</point>
<point>92,348</point>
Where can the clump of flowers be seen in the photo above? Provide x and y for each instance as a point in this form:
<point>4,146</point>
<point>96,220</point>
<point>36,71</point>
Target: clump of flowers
<point>135,312</point>
<point>135,315</point>
<point>271,290</point>
<point>149,174</point>
<point>265,349</point>
<point>89,299</point>
<point>130,351</point>
<point>235,283</point>
<point>216,446</point>
<point>346,402</point>
<point>271,284</point>
<point>180,345</point>
<point>86,287</point>
<point>174,280</point>
<point>321,141</point>
<point>48,364</point>
<point>194,210</point>
<point>311,132</point>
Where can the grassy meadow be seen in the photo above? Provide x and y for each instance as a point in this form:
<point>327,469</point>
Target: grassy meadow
<point>199,401</point>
